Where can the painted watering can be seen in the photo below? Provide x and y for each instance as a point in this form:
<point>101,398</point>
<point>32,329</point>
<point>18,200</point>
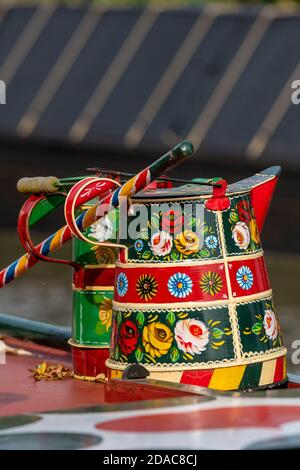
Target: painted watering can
<point>94,249</point>
<point>193,302</point>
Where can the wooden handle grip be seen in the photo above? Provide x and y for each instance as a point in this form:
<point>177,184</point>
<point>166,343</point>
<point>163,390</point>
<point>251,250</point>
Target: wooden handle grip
<point>38,185</point>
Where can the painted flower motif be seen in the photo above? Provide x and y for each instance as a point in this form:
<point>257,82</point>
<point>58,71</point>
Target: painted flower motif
<point>105,254</point>
<point>254,231</point>
<point>146,286</point>
<point>211,242</point>
<point>103,229</point>
<point>157,339</point>
<point>243,210</point>
<point>191,336</point>
<point>187,242</point>
<point>244,277</point>
<point>122,284</point>
<point>105,312</point>
<point>161,243</point>
<point>172,221</point>
<point>139,244</point>
<point>180,285</point>
<point>241,235</point>
<point>270,324</point>
<point>211,283</point>
<point>128,337</point>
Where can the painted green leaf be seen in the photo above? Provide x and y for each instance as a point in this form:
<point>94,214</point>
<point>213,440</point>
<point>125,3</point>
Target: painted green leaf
<point>175,256</point>
<point>155,222</point>
<point>139,355</point>
<point>204,253</point>
<point>119,317</point>
<point>146,255</point>
<point>116,353</point>
<point>140,318</point>
<point>217,333</point>
<point>256,328</point>
<point>233,216</point>
<point>174,355</point>
<point>144,234</point>
<point>171,318</point>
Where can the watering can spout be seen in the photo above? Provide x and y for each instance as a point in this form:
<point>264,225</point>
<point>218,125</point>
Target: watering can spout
<point>262,194</point>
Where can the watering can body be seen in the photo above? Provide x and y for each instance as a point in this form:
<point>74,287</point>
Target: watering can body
<point>195,305</point>
<point>92,303</point>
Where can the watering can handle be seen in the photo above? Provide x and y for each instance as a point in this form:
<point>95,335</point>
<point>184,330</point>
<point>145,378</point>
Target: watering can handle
<point>73,200</point>
<point>24,223</point>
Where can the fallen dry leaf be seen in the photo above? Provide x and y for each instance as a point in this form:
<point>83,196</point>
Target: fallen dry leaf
<point>51,372</point>
<point>16,351</point>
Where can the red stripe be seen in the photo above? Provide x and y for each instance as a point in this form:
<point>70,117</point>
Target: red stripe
<point>197,377</point>
<point>96,277</point>
<point>278,375</point>
<point>2,275</point>
<point>259,283</point>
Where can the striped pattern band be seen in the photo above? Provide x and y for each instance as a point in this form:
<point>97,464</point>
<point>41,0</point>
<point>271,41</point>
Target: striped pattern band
<point>242,377</point>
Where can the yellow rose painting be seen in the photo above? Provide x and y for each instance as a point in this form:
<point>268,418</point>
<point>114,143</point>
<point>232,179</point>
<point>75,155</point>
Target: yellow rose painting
<point>157,339</point>
<point>187,242</point>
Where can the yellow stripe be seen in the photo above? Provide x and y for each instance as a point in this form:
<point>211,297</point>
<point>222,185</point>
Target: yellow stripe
<point>56,241</point>
<point>22,264</point>
<point>228,378</point>
<point>267,372</point>
<point>284,368</point>
<point>115,374</point>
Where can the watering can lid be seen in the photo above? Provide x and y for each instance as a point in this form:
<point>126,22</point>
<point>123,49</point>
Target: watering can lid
<point>196,190</point>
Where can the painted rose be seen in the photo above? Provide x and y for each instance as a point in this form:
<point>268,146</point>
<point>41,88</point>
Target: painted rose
<point>244,212</point>
<point>105,254</point>
<point>105,312</point>
<point>270,324</point>
<point>254,231</point>
<point>191,336</point>
<point>161,243</point>
<point>157,339</point>
<point>172,220</point>
<point>187,242</point>
<point>241,235</point>
<point>128,337</point>
<point>102,230</point>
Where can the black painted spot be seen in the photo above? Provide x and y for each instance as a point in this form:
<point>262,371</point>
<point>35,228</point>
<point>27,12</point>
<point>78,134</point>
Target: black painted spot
<point>12,421</point>
<point>291,442</point>
<point>47,441</point>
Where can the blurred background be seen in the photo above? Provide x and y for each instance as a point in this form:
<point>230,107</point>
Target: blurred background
<point>116,83</point>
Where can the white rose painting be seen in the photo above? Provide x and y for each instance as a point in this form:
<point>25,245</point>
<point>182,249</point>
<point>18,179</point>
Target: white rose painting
<point>102,230</point>
<point>191,336</point>
<point>270,324</point>
<point>161,243</point>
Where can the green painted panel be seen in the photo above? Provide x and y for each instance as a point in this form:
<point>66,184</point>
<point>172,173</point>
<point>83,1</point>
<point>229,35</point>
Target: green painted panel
<point>240,229</point>
<point>259,329</point>
<point>172,337</point>
<point>191,234</point>
<point>92,317</point>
